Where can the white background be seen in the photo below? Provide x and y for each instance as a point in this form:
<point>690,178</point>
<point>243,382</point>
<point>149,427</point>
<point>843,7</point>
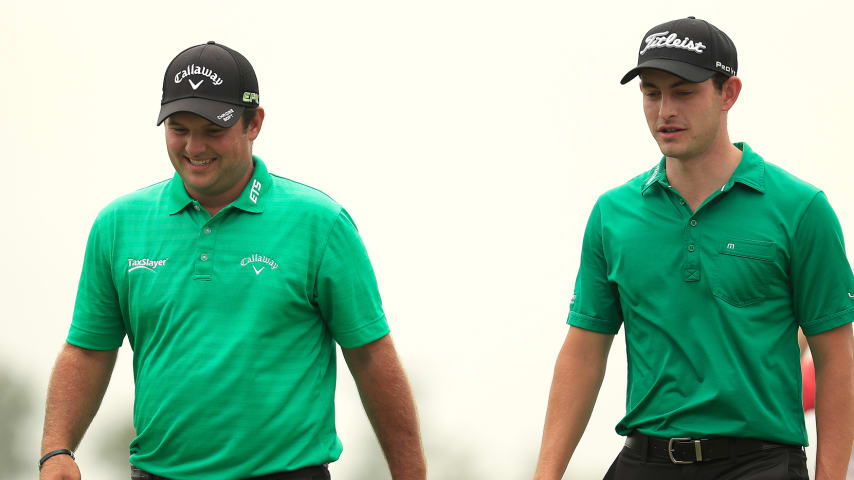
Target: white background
<point>468,139</point>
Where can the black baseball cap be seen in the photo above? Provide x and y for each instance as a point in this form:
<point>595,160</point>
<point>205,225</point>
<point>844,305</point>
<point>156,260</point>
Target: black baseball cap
<point>210,80</point>
<point>689,48</point>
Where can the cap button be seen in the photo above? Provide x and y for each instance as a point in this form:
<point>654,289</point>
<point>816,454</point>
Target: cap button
<point>211,43</point>
<point>692,18</point>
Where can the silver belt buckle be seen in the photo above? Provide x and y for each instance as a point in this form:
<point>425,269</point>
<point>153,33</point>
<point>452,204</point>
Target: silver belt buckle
<point>697,451</point>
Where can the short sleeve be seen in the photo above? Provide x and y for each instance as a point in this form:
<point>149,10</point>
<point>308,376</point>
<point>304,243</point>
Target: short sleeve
<point>346,291</point>
<point>821,277</point>
<point>595,302</point>
<point>97,321</point>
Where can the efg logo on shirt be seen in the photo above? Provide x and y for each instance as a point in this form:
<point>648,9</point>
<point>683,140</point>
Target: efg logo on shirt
<point>257,260</point>
<point>145,263</point>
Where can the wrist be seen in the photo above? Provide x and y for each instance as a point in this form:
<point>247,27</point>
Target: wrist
<point>55,453</point>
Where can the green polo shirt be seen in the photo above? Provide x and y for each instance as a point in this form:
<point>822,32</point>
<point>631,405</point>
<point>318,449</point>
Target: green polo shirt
<point>711,300</point>
<point>232,320</point>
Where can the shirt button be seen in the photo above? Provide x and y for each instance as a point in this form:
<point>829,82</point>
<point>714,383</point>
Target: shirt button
<point>693,223</point>
<point>690,248</point>
<point>207,230</point>
<point>681,202</point>
<point>204,257</point>
<point>196,207</point>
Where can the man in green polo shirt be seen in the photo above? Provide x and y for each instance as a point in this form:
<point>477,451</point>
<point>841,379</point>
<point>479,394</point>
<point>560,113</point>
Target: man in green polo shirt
<point>233,287</point>
<point>711,260</point>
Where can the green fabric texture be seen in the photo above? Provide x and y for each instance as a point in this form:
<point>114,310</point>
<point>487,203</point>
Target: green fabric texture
<point>711,300</point>
<point>232,320</point>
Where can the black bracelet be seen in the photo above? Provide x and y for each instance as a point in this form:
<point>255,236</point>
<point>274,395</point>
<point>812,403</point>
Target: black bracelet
<point>62,451</point>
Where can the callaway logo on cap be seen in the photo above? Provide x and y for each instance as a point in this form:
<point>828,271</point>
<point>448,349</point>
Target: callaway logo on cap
<point>210,80</point>
<point>688,48</point>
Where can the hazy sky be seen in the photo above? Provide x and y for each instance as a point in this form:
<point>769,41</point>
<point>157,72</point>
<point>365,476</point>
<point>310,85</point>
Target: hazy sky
<point>468,139</point>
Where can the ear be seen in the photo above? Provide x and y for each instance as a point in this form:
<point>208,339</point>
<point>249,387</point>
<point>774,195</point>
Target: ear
<point>729,92</point>
<point>255,125</point>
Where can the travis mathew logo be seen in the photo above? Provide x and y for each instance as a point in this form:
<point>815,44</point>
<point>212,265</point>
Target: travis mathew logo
<point>659,40</point>
<point>259,259</point>
<point>194,69</point>
<point>146,263</point>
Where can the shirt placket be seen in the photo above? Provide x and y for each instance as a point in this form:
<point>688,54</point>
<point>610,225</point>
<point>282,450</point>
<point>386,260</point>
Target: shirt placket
<point>203,265</point>
<point>691,270</point>
<point>690,235</point>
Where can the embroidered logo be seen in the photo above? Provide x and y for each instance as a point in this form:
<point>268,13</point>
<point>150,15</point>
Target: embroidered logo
<point>255,191</point>
<point>654,174</point>
<point>195,85</point>
<point>256,259</point>
<point>250,97</point>
<point>725,68</point>
<point>662,40</point>
<point>226,115</point>
<point>194,69</point>
<point>145,263</point>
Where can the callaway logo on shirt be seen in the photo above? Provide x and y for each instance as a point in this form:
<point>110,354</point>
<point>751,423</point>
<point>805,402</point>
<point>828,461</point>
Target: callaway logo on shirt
<point>256,259</point>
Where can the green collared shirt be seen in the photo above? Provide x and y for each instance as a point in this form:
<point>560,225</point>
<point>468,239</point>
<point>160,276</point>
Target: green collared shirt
<point>711,300</point>
<point>233,321</point>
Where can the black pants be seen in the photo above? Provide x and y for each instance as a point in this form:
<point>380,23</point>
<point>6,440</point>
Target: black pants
<point>783,463</point>
<point>308,473</point>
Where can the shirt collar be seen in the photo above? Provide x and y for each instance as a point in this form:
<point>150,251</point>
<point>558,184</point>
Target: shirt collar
<point>256,190</point>
<point>250,200</point>
<point>655,175</point>
<point>750,172</point>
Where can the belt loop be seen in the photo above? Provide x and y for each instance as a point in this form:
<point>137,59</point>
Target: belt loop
<point>645,449</point>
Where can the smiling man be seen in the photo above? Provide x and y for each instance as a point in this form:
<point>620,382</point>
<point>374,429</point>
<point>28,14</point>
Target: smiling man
<point>233,287</point>
<point>711,260</point>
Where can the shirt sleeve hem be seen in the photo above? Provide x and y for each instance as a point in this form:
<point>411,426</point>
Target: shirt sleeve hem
<point>363,335</point>
<point>88,344</point>
<point>829,322</point>
<point>590,323</point>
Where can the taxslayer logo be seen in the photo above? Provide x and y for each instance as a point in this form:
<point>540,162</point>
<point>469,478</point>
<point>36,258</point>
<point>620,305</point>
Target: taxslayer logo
<point>194,69</point>
<point>145,263</point>
<point>663,40</point>
<point>259,263</point>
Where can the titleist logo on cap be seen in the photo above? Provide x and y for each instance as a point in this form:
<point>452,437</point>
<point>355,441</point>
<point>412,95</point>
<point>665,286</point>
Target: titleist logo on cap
<point>662,40</point>
<point>194,69</point>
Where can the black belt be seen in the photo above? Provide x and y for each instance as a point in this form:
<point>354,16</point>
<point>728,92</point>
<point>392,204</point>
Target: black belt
<point>313,473</point>
<point>681,450</point>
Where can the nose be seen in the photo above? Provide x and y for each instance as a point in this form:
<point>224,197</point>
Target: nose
<point>195,145</point>
<point>667,108</point>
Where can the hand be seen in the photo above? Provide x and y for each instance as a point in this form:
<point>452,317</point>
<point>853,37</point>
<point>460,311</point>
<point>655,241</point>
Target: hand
<point>59,467</point>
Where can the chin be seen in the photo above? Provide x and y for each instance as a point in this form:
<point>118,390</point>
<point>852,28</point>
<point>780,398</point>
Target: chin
<point>671,150</point>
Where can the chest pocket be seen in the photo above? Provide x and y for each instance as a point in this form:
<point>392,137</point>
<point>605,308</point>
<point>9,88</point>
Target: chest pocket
<point>742,270</point>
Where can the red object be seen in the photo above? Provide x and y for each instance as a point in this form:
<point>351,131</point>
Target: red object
<point>808,376</point>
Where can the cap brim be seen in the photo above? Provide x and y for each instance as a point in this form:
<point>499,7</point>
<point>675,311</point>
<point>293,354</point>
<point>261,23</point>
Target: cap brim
<point>683,70</point>
<point>223,114</point>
